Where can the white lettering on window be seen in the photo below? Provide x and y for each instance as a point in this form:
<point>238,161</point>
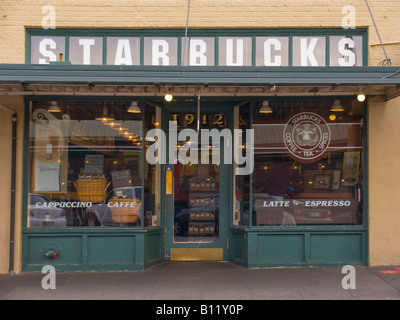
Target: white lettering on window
<point>239,52</point>
<point>307,52</point>
<point>160,50</point>
<point>46,53</point>
<point>349,59</point>
<point>86,43</point>
<point>198,49</point>
<point>268,44</point>
<point>123,55</point>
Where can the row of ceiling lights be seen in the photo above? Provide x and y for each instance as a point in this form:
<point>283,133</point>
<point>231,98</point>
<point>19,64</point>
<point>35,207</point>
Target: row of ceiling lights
<point>134,108</point>
<point>337,107</point>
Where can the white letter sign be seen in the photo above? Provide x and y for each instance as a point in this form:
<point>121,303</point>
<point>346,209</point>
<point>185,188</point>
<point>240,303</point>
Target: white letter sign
<point>198,49</point>
<point>307,52</point>
<point>268,44</point>
<point>160,50</point>
<point>343,47</point>
<point>239,52</point>
<point>44,52</point>
<point>86,43</point>
<point>123,55</point>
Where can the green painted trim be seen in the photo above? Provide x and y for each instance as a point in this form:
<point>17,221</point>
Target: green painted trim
<point>28,45</point>
<point>142,165</point>
<point>253,51</point>
<point>328,51</point>
<point>251,174</point>
<point>104,54</point>
<point>67,48</point>
<point>290,51</point>
<point>365,49</point>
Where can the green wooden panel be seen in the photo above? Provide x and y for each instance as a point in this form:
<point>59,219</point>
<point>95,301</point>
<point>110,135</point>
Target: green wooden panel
<point>340,248</point>
<point>239,248</point>
<point>70,249</point>
<point>153,245</point>
<point>282,248</point>
<point>111,249</point>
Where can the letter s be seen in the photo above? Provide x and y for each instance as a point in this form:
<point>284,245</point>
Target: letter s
<point>45,53</point>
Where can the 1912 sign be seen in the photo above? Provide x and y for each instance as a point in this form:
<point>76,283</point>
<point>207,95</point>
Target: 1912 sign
<point>206,119</point>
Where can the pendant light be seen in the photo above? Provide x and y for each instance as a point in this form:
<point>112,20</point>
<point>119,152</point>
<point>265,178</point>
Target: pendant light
<point>265,107</point>
<point>105,116</point>
<point>337,107</point>
<point>54,107</point>
<point>361,97</point>
<point>134,108</point>
<point>168,96</point>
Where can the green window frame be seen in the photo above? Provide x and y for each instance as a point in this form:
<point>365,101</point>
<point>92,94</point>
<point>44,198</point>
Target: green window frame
<point>215,33</point>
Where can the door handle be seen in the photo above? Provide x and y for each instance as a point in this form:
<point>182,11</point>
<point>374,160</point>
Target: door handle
<point>168,181</point>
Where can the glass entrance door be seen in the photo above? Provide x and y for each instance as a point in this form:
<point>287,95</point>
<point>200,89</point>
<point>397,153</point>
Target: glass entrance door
<point>196,203</point>
<point>197,189</point>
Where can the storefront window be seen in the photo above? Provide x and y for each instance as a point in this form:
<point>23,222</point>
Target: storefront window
<point>308,164</point>
<point>85,165</point>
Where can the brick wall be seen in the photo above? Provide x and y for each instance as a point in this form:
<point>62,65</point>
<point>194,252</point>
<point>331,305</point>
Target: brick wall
<point>16,15</point>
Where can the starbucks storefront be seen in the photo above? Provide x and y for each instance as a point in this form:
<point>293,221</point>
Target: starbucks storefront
<point>254,163</point>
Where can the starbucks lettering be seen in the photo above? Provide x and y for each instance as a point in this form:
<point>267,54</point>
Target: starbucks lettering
<point>265,50</point>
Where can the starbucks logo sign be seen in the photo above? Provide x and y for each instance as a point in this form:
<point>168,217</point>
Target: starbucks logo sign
<point>306,136</point>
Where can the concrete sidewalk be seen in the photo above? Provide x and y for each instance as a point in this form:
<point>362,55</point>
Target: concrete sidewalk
<point>207,281</point>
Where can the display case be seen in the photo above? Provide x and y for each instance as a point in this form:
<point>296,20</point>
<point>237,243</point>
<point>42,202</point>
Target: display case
<point>203,209</point>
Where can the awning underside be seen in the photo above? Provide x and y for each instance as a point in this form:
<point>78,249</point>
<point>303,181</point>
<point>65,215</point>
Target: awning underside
<point>379,83</point>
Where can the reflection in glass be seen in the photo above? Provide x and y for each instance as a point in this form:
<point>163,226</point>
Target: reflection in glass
<point>324,191</point>
<point>85,172</point>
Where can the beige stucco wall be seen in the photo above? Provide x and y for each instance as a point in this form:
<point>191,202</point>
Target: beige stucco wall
<point>16,15</point>
<point>17,104</point>
<point>384,177</point>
